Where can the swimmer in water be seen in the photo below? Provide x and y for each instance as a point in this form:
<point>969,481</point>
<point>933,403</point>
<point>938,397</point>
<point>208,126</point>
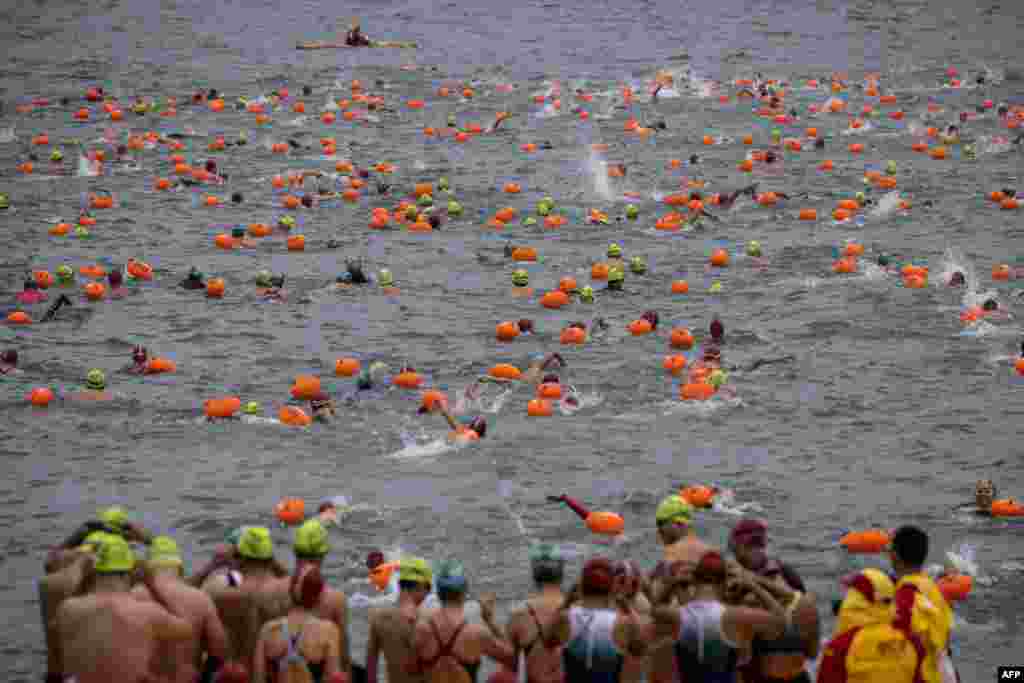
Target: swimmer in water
<point>727,199</point>
<point>474,430</point>
<point>984,496</point>
<point>355,36</point>
<point>9,362</point>
<point>270,287</point>
<point>51,312</point>
<point>116,280</point>
<point>95,388</point>
<point>353,275</point>
<point>194,280</point>
<point>534,373</point>
<point>957,279</point>
<point>322,408</point>
<point>140,361</point>
<point>368,377</point>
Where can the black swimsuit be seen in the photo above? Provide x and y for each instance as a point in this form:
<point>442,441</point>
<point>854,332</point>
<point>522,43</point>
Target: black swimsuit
<point>447,651</point>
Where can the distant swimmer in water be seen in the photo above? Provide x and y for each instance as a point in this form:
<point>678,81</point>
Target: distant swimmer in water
<point>355,36</point>
<point>322,408</point>
<point>957,279</point>
<point>270,287</point>
<point>95,388</point>
<point>984,496</point>
<point>194,280</point>
<point>474,430</point>
<point>51,312</point>
<point>9,362</point>
<point>727,199</point>
<point>140,361</point>
<point>534,373</point>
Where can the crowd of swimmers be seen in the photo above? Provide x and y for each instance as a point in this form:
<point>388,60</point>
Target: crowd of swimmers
<point>119,605</point>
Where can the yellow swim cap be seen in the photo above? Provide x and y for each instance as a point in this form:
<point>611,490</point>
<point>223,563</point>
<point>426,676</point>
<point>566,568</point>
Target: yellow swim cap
<point>114,556</point>
<point>255,543</point>
<point>114,517</point>
<point>311,539</point>
<point>673,509</point>
<point>415,569</point>
<point>163,552</point>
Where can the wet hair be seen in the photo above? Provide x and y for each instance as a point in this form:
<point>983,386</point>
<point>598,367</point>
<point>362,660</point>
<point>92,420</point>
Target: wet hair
<point>525,325</point>
<point>383,188</point>
<point>659,125</point>
<point>363,173</point>
<point>770,158</point>
<point>407,585</point>
<point>819,143</point>
<point>355,269</point>
<point>548,571</point>
<point>963,116</point>
<point>277,281</point>
<point>696,195</point>
<point>479,425</point>
<point>957,278</point>
<point>580,325</point>
<point>551,379</point>
<point>651,317</point>
<point>434,220</point>
<point>122,150</point>
<point>374,559</point>
<point>980,80</point>
<point>597,577</point>
<point>910,544</point>
<point>1003,110</point>
<point>307,201</point>
<point>710,569</point>
<point>236,197</point>
<point>953,129</point>
<point>310,588</point>
<point>211,165</point>
<point>10,356</point>
<point>717,329</point>
<point>140,352</point>
<point>115,277</point>
<point>212,94</point>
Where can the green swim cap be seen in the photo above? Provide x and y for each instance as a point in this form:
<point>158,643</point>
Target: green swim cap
<point>715,287</point>
<point>860,197</point>
<point>638,265</point>
<point>385,278</point>
<point>255,543</point>
<point>56,155</point>
<point>114,556</point>
<point>451,575</point>
<point>543,208</point>
<point>287,222</point>
<point>616,275</point>
<point>263,278</point>
<point>415,569</point>
<point>614,250</point>
<point>520,278</point>
<point>5,201</point>
<point>673,510</point>
<point>96,380</point>
<point>717,378</point>
<point>883,260</point>
<point>114,517</point>
<point>890,167</point>
<point>632,212</point>
<point>776,133</point>
<point>454,208</point>
<point>753,248</point>
<point>65,272</point>
<point>587,294</point>
<point>163,553</point>
<point>251,408</point>
<point>442,183</point>
<point>81,231</point>
<point>238,233</point>
<point>545,552</point>
<point>411,213</point>
<point>452,121</point>
<point>311,539</point>
<point>425,200</point>
<point>529,221</point>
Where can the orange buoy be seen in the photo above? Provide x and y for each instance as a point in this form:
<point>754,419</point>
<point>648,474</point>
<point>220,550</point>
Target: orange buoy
<point>222,407</point>
<point>812,132</point>
<point>669,223</point>
<point>60,229</point>
<point>539,407</point>
<point>853,249</point>
<point>506,214</point>
<point>845,266</point>
<point>380,576</point>
<point>681,338</point>
<point>640,327</point>
<point>567,284</point>
<point>291,511</point>
<point>505,371</point>
<point>696,391</point>
<point>432,399</point>
<point>573,335</point>
<point>94,291</point>
<point>260,230</point>
<point>856,147</point>
<point>955,588</point>
<point>552,390</point>
<point>720,258</point>
<point>674,364</point>
<point>699,496</point>
<point>93,271</point>
<point>513,188</point>
<point>869,542</point>
<point>997,196</point>
<point>841,214</point>
<point>915,282</point>
<point>215,288</point>
<point>605,523</point>
<point>680,286</point>
<point>808,214</point>
<point>19,318</point>
<point>296,243</point>
<point>1009,204</point>
<point>746,166</point>
<point>140,270</point>
<point>101,201</point>
<point>554,299</point>
<point>767,199</point>
<point>1007,507</point>
<point>41,397</point>
<point>524,254</point>
<point>294,417</point>
<point>937,152</point>
<point>555,221</point>
<point>305,387</point>
<point>1019,366</point>
<point>346,367</point>
<point>507,331</point>
<point>158,366</point>
<point>408,379</point>
<point>826,165</point>
<point>1001,272</point>
<point>224,241</point>
<point>748,140</point>
<point>677,200</point>
<point>599,271</point>
<point>43,278</point>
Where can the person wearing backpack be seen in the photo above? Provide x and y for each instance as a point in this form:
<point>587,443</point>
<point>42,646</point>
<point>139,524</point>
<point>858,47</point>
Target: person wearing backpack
<point>299,647</point>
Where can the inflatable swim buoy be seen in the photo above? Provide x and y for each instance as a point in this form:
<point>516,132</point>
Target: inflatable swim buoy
<point>681,338</point>
<point>955,588</point>
<point>346,367</point>
<point>696,391</point>
<point>573,335</point>
<point>222,407</point>
<point>291,511</point>
<point>380,576</point>
<point>156,366</point>
<point>408,379</point>
<point>605,523</point>
<point>505,371</point>
<point>432,399</point>
<point>554,299</point>
<point>40,397</point>
<point>294,416</point>
<point>1007,507</point>
<point>140,270</point>
<point>674,364</point>
<point>640,327</point>
<point>551,390</point>
<point>699,496</point>
<point>305,387</point>
<point>19,318</point>
<point>539,407</point>
<point>868,542</point>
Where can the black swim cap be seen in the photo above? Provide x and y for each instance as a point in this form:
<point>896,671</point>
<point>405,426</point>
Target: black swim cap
<point>236,197</point>
<point>990,305</point>
<point>31,284</point>
<point>307,91</point>
<point>307,201</point>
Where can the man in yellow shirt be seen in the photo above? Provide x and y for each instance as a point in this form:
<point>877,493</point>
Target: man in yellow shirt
<point>920,607</point>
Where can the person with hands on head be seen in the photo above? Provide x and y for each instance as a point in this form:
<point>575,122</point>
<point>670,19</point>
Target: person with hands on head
<point>392,629</point>
<point>108,634</point>
<point>311,546</point>
<point>112,520</point>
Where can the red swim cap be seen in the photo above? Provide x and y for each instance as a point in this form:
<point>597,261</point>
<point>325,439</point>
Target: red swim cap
<point>710,569</point>
<point>597,576</point>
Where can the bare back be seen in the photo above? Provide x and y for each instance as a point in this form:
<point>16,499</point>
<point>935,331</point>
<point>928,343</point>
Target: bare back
<point>181,662</point>
<point>463,657</point>
<point>333,607</point>
<point>528,632</point>
<point>112,637</point>
<point>393,631</point>
<point>246,608</point>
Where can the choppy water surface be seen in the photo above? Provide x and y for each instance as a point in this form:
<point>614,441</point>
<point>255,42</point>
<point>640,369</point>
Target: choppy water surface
<point>888,413</point>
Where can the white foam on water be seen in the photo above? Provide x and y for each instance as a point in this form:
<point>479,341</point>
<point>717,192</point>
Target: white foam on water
<point>430,449</point>
<point>886,205</point>
<point>7,135</point>
<point>597,170</point>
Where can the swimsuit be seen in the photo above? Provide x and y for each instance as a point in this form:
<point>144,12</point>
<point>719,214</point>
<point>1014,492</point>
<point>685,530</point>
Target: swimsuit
<point>278,665</point>
<point>447,650</point>
<point>591,655</point>
<point>703,653</point>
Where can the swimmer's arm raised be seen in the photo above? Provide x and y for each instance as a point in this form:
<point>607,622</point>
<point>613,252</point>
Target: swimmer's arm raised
<point>448,416</point>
